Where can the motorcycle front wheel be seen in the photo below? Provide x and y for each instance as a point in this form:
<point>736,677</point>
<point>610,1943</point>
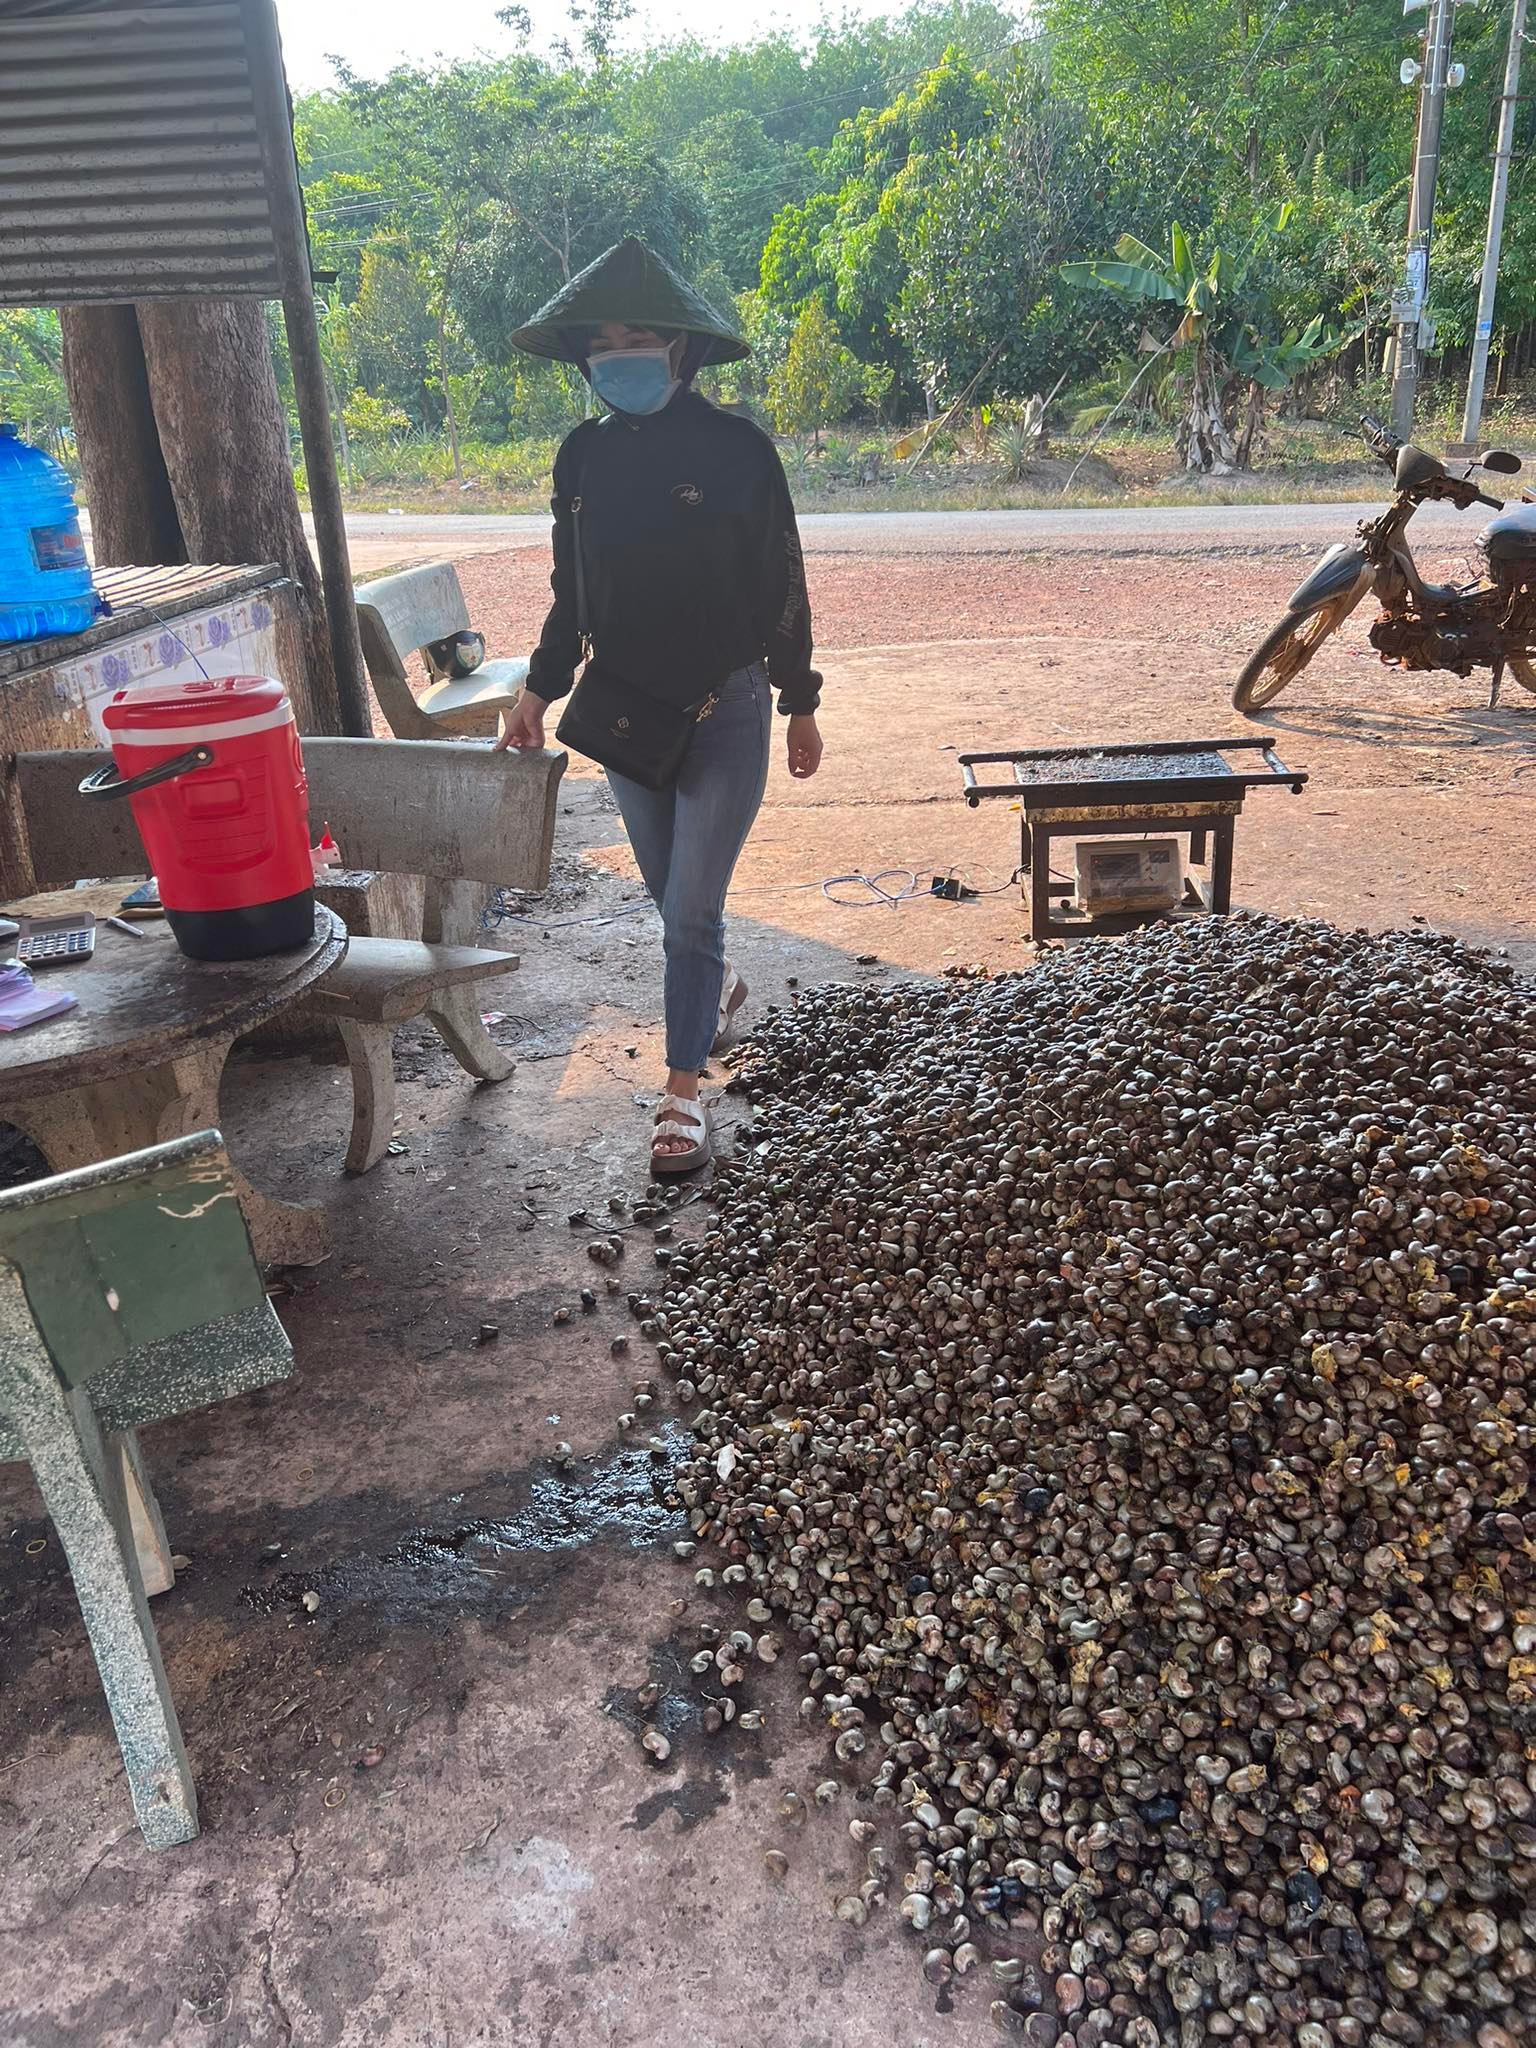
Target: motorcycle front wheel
<point>1285,651</point>
<point>1523,669</point>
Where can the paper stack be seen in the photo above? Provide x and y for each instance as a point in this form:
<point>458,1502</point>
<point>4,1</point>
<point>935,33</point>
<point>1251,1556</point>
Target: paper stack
<point>22,1002</point>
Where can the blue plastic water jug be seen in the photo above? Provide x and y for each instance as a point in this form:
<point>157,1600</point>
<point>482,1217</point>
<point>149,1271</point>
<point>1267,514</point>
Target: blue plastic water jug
<point>45,580</point>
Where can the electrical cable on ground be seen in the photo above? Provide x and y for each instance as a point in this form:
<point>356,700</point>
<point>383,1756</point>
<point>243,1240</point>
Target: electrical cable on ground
<point>912,885</point>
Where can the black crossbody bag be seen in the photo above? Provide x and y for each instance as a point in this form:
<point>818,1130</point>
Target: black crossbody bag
<point>616,724</point>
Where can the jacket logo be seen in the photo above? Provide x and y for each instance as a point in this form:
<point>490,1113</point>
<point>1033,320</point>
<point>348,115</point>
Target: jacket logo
<point>688,494</point>
<point>622,726</point>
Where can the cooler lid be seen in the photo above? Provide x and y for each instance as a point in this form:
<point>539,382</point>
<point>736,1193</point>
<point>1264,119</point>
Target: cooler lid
<point>223,704</point>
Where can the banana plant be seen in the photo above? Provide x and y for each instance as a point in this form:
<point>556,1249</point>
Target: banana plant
<point>1210,290</point>
<point>1268,363</point>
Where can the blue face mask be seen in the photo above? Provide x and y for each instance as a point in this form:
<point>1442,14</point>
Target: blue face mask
<point>633,380</point>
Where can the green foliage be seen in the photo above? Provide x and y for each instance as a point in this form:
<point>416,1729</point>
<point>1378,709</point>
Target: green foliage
<point>391,327</point>
<point>742,177</point>
<point>32,378</point>
<point>851,242</point>
<point>374,422</point>
<point>1275,362</point>
<point>1017,447</point>
<point>1222,331</point>
<point>821,380</point>
<point>903,210</point>
<point>554,212</point>
<point>981,253</point>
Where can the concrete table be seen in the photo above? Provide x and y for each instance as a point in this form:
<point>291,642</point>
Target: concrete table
<point>139,1062</point>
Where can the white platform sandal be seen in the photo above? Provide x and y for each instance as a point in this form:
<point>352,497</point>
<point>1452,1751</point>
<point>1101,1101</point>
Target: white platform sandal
<point>679,1117</point>
<point>733,994</point>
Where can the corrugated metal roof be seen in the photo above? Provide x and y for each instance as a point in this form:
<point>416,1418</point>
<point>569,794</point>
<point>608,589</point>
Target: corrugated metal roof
<point>130,157</point>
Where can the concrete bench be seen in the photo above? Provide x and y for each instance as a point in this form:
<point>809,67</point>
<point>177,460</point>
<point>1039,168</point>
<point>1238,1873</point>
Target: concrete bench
<point>128,1293</point>
<point>421,612</point>
<point>462,818</point>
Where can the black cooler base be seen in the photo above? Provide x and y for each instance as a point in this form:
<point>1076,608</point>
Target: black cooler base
<point>246,934</point>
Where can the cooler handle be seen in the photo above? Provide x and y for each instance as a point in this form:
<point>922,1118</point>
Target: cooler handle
<point>106,782</point>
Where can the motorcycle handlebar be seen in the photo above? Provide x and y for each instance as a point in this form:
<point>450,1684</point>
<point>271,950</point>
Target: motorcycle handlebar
<point>1379,438</point>
<point>1459,490</point>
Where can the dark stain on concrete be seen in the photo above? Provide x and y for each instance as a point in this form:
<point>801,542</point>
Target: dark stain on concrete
<point>710,1764</point>
<point>493,1563</point>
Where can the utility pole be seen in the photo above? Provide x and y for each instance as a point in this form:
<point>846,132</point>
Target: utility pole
<point>1408,307</point>
<point>1477,376</point>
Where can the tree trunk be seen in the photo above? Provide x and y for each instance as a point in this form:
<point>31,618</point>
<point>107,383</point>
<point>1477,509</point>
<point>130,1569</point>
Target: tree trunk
<point>1252,426</point>
<point>133,513</point>
<point>225,443</point>
<point>343,438</point>
<point>1204,440</point>
<point>450,416</point>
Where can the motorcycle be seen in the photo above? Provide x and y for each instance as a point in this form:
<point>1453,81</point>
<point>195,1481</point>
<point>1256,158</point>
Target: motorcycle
<point>1488,624</point>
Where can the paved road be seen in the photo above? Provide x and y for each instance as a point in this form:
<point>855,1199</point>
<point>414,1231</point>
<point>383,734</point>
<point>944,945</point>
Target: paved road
<point>380,537</point>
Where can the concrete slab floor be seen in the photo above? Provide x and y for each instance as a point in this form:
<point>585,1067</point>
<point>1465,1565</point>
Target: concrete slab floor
<point>427,1816</point>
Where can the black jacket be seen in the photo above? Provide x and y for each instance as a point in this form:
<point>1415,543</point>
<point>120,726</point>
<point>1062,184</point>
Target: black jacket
<point>690,556</point>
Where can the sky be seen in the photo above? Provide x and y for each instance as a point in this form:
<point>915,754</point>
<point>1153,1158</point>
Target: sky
<point>374,34</point>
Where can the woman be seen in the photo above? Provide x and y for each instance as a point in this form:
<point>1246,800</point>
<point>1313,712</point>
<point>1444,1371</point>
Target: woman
<point>677,571</point>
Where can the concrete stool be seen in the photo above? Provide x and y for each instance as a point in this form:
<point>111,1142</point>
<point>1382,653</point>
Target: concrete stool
<point>128,1293</point>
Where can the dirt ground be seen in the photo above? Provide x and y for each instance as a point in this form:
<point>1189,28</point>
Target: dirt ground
<point>427,1817</point>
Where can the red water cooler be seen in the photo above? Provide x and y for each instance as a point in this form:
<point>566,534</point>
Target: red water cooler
<point>216,780</point>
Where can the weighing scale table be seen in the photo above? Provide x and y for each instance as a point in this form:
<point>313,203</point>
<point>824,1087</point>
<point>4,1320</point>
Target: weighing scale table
<point>1121,789</point>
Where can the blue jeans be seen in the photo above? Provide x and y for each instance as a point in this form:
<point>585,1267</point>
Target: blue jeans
<point>687,839</point>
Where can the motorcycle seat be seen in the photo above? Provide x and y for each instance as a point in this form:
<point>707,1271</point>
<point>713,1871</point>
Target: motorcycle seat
<point>1512,536</point>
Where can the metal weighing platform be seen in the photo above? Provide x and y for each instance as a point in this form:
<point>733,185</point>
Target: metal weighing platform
<point>1168,785</point>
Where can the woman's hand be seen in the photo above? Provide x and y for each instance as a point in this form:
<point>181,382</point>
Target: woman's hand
<point>804,746</point>
<point>524,725</point>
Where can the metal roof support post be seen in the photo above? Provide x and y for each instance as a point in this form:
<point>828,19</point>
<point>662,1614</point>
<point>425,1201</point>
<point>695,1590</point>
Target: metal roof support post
<point>352,699</point>
<point>274,121</point>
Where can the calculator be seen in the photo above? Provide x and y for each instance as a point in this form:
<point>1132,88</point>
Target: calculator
<point>55,941</point>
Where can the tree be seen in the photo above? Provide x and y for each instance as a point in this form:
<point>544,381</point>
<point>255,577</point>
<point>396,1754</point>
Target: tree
<point>801,92</point>
<point>509,182</point>
<point>1266,362</point>
<point>133,509</point>
<point>848,241</point>
<point>348,182</point>
<point>184,442</point>
<point>924,176</point>
<point>821,379</point>
<point>555,207</point>
<point>1212,98</point>
<point>439,214</point>
<point>980,250</point>
<point>392,328</point>
<point>1219,108</point>
<point>743,178</point>
<point>372,422</point>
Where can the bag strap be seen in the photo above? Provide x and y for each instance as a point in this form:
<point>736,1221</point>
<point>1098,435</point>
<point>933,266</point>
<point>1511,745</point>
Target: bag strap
<point>583,628</point>
<point>583,623</point>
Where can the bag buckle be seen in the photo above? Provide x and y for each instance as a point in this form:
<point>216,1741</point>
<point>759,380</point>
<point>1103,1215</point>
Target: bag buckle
<point>707,707</point>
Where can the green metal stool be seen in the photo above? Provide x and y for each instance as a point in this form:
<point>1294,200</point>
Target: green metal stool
<point>128,1293</point>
